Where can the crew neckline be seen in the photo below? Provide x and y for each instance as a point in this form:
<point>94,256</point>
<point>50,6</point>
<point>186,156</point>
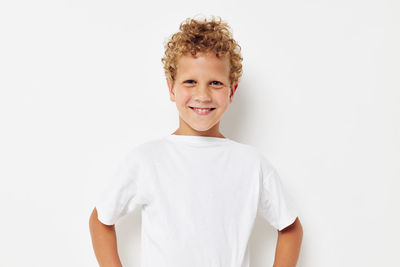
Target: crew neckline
<point>197,139</point>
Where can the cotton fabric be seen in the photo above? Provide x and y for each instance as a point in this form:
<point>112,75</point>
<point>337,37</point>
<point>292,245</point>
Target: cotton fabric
<point>199,197</point>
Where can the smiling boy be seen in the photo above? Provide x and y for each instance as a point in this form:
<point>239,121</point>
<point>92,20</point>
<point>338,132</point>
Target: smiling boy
<point>202,92</point>
<point>199,191</point>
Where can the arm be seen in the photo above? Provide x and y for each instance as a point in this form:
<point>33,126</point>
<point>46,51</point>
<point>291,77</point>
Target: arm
<point>104,242</point>
<point>288,245</point>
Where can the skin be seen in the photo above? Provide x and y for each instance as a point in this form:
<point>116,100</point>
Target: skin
<point>104,242</point>
<point>201,81</point>
<point>288,245</point>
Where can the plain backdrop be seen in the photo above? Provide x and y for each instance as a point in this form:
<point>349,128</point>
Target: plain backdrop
<point>82,83</point>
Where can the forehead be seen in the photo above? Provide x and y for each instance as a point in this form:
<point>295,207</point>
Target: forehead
<point>203,63</point>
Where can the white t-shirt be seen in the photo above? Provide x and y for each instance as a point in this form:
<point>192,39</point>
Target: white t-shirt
<point>199,197</point>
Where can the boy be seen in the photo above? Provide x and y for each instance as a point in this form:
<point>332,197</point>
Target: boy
<point>199,191</point>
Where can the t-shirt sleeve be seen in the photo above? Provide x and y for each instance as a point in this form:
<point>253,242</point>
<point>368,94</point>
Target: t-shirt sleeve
<point>122,193</point>
<point>275,205</point>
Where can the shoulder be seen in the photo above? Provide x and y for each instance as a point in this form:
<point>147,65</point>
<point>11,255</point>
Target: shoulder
<point>255,154</point>
<point>247,151</point>
<point>148,146</point>
<point>146,150</point>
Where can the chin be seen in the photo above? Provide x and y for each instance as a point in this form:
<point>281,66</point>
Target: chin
<point>195,125</point>
<point>201,128</point>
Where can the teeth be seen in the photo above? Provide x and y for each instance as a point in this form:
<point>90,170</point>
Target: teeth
<point>202,110</point>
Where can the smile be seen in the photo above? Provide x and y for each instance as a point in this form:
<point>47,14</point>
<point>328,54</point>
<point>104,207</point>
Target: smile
<point>202,111</point>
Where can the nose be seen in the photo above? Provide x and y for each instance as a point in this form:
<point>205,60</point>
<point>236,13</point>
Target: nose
<point>202,94</point>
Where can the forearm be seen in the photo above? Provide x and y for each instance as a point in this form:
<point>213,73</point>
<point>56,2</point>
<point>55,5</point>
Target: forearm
<point>288,245</point>
<point>104,242</point>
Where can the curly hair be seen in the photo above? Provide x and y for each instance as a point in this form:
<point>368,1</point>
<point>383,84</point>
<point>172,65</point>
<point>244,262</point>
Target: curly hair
<point>202,36</point>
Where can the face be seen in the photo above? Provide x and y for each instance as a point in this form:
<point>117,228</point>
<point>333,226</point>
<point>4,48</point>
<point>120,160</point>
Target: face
<point>202,93</point>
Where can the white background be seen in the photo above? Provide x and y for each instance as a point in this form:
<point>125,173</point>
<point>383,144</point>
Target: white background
<point>82,83</point>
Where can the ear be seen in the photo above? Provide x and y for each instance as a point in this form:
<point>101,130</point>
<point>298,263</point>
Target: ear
<point>232,91</point>
<point>170,85</point>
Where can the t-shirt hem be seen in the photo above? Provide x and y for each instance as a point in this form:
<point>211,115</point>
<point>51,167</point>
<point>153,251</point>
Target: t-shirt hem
<point>104,220</point>
<point>287,222</point>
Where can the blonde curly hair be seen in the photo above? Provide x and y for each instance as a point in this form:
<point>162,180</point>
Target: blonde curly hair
<point>202,36</point>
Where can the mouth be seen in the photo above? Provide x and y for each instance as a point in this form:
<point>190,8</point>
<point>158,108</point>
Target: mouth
<point>202,111</point>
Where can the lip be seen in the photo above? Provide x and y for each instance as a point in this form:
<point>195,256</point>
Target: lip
<point>201,107</point>
<point>201,113</point>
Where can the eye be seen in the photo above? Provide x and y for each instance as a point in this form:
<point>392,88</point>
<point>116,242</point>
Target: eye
<point>189,81</point>
<point>216,83</point>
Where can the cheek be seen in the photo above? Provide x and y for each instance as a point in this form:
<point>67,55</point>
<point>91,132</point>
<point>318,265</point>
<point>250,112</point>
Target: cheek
<point>182,96</point>
<point>222,98</point>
